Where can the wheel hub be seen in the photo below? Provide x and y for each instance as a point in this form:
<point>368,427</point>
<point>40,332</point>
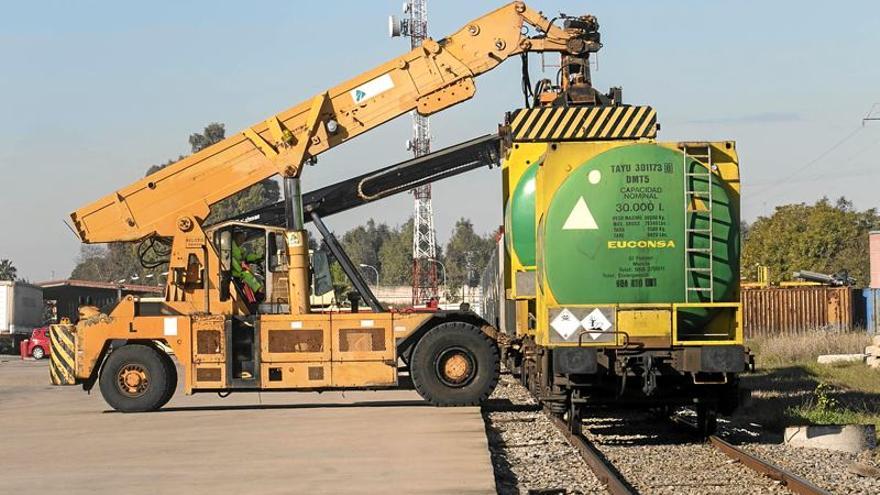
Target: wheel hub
<point>133,380</point>
<point>456,367</point>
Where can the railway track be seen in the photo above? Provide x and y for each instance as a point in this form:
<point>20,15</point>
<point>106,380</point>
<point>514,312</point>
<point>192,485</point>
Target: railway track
<point>786,478</point>
<point>620,452</point>
<point>616,484</point>
<point>604,470</point>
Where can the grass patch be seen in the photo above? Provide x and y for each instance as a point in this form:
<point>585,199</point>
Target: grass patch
<point>817,416</point>
<point>825,409</point>
<point>849,376</point>
<point>806,347</point>
<point>790,388</point>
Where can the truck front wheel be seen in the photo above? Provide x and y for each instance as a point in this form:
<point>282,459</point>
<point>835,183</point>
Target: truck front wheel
<point>136,378</point>
<point>455,364</point>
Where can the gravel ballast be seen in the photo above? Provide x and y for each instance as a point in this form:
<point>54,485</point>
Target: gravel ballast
<point>529,455</point>
<point>656,457</point>
<point>826,469</point>
<point>528,452</point>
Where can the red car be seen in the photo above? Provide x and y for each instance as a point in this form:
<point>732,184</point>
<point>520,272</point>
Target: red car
<point>38,345</point>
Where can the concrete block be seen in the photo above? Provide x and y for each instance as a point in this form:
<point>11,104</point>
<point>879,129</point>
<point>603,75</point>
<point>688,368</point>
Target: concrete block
<point>872,350</point>
<point>863,470</point>
<point>844,438</point>
<point>841,358</point>
<point>876,340</point>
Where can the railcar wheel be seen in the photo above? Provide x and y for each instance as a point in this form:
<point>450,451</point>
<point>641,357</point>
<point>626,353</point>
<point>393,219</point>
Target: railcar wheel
<point>575,417</point>
<point>707,420</point>
<point>455,364</point>
<point>135,378</point>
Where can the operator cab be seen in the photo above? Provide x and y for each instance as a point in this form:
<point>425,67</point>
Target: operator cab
<point>261,252</point>
<point>267,246</point>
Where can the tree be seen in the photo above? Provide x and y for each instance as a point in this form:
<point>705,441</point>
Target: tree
<point>823,237</point>
<point>213,133</point>
<point>395,255</point>
<point>261,194</point>
<point>113,262</point>
<point>8,271</point>
<point>341,283</point>
<point>91,264</point>
<point>466,255</point>
<point>364,242</point>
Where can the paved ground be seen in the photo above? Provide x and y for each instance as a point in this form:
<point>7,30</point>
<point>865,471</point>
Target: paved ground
<point>58,439</point>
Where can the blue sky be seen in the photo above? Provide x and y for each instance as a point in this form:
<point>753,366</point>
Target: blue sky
<point>92,93</point>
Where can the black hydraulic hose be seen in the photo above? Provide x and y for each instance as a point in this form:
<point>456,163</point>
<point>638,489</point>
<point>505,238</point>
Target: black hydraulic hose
<point>526,80</point>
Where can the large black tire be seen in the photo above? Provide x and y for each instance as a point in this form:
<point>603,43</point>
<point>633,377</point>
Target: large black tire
<point>171,384</point>
<point>455,364</point>
<point>149,378</point>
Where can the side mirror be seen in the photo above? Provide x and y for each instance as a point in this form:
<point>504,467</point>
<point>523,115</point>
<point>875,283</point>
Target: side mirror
<point>322,280</point>
<point>225,248</point>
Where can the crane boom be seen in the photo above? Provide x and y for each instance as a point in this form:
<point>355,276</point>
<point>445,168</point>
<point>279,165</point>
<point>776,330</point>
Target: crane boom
<point>387,181</point>
<point>428,79</point>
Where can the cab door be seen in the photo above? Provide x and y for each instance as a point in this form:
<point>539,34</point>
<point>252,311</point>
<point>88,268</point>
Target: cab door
<point>209,351</point>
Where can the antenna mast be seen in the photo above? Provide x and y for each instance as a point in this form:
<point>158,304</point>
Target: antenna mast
<point>424,268</point>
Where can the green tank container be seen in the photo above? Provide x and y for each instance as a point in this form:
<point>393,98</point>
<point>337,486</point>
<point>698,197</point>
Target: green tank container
<point>618,227</point>
<point>519,218</point>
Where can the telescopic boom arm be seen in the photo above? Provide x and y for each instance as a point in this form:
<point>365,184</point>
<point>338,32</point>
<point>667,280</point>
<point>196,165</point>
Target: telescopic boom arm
<point>384,182</point>
<point>433,77</point>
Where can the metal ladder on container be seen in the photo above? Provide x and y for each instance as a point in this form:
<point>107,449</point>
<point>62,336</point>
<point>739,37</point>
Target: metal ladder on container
<point>692,195</point>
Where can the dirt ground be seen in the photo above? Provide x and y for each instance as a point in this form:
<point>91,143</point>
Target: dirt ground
<point>59,439</point>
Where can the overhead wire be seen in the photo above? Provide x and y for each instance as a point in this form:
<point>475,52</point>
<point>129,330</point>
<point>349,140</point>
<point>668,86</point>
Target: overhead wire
<point>807,165</point>
<point>857,171</point>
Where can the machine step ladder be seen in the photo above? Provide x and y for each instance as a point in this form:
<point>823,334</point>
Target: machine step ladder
<point>697,190</point>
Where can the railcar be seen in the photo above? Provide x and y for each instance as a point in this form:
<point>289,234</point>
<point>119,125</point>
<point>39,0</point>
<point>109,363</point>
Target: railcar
<point>616,280</point>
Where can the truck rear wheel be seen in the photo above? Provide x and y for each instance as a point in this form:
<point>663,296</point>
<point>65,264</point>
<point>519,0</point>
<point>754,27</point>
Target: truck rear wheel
<point>455,364</point>
<point>136,378</point>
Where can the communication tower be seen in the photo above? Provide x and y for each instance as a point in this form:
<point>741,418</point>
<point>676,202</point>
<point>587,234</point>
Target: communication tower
<point>424,266</point>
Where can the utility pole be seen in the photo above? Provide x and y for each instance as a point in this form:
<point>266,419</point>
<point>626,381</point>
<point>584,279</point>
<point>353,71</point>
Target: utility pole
<point>424,269</point>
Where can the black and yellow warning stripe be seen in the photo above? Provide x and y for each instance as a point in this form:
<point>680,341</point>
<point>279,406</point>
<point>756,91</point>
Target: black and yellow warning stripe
<point>62,365</point>
<point>583,123</point>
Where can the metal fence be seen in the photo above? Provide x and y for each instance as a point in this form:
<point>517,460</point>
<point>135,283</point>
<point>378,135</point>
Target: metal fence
<point>795,310</point>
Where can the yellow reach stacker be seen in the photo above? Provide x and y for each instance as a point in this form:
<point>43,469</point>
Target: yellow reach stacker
<point>225,343</point>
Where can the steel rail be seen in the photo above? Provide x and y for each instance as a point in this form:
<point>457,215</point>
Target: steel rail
<point>604,471</point>
<point>790,480</point>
